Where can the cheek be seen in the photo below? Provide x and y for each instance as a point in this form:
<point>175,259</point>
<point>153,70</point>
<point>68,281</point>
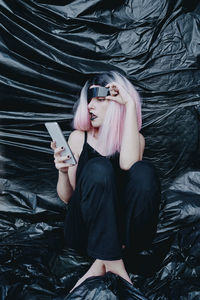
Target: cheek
<point>102,109</point>
<point>106,107</point>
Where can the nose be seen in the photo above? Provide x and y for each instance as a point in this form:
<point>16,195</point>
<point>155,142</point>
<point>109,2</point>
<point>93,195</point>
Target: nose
<point>91,104</point>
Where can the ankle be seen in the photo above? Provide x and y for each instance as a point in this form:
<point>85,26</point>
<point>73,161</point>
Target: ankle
<point>117,267</point>
<point>111,265</point>
<point>97,267</point>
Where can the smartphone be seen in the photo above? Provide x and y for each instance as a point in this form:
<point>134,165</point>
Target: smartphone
<point>57,135</point>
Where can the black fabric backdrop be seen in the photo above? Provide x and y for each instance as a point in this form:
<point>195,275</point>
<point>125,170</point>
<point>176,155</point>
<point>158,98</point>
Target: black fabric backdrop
<point>47,51</point>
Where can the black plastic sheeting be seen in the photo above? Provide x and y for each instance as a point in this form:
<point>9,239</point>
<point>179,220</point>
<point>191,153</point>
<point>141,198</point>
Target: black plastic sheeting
<point>47,51</point>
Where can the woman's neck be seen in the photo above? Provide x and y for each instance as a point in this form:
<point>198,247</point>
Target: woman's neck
<point>93,137</point>
<point>95,133</point>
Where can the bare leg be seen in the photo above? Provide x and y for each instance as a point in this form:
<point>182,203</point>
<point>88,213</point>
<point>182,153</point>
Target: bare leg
<point>100,267</point>
<point>117,267</point>
<point>96,269</point>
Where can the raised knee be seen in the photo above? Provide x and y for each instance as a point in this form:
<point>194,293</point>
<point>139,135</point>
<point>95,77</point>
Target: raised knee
<point>143,175</point>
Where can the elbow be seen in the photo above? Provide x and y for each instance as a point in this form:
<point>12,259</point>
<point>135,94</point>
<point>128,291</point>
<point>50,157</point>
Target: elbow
<point>127,165</point>
<point>64,197</point>
<point>66,201</point>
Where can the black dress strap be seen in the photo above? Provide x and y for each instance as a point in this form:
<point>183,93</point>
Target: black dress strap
<point>85,141</point>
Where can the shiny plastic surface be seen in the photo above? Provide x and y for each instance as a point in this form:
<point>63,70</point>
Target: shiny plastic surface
<point>47,51</point>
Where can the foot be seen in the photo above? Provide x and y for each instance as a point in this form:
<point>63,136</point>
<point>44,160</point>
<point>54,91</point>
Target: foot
<point>96,269</point>
<point>117,267</point>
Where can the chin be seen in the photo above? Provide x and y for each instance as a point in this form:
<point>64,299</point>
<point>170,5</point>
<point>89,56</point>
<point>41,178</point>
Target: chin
<point>96,125</point>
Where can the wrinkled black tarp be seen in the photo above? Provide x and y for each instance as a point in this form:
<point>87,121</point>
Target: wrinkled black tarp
<point>47,50</point>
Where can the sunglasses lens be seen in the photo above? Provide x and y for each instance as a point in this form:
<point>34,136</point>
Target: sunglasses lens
<point>99,91</point>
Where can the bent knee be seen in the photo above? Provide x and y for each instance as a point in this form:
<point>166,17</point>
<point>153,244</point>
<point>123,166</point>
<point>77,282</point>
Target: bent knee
<point>143,175</point>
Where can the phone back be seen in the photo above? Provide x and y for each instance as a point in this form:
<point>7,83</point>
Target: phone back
<point>57,135</point>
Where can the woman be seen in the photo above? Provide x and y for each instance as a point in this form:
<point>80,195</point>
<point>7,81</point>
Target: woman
<point>113,194</point>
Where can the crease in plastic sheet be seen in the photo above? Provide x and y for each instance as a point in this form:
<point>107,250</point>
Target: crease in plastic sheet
<point>48,49</point>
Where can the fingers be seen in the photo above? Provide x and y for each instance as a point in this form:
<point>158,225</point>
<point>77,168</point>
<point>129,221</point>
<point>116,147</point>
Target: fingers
<point>57,150</point>
<point>114,92</point>
<point>112,85</point>
<point>53,145</point>
<point>113,98</point>
<point>118,93</point>
<point>57,153</point>
<point>114,88</point>
<point>61,159</point>
<point>61,162</point>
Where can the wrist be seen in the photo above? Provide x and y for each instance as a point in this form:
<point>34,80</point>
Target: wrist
<point>63,173</point>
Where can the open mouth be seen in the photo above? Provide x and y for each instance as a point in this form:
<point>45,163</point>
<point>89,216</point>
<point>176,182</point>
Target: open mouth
<point>92,116</point>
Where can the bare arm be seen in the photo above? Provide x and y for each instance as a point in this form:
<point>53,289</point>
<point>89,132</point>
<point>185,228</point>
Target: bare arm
<point>132,146</point>
<point>64,188</point>
<point>66,172</point>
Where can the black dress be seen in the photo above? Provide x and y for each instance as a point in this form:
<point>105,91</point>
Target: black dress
<point>111,207</point>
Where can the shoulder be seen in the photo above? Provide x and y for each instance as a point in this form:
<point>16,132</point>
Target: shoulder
<point>76,135</point>
<point>76,140</point>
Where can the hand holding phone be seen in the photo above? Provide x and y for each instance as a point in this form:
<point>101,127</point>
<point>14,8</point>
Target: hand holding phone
<point>57,136</point>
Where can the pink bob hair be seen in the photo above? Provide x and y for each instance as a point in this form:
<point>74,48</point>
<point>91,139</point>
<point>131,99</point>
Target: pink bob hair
<point>111,131</point>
